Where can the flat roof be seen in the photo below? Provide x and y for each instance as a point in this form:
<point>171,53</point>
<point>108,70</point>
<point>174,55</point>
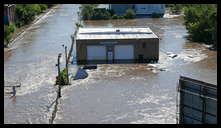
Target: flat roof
<point>115,33</point>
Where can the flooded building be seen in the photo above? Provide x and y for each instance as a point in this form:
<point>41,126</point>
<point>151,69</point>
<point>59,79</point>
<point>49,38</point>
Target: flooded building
<point>116,45</point>
<point>139,9</point>
<point>198,102</point>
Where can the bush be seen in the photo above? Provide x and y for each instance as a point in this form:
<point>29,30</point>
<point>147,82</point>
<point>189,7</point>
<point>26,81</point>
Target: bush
<point>63,75</point>
<point>120,17</point>
<point>8,31</point>
<point>115,16</point>
<point>101,15</point>
<point>130,14</point>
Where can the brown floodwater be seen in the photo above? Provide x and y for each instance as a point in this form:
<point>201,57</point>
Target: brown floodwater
<point>138,93</point>
<point>31,61</point>
<point>112,93</point>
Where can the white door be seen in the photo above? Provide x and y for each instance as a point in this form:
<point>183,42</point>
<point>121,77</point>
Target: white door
<point>124,52</point>
<point>96,53</point>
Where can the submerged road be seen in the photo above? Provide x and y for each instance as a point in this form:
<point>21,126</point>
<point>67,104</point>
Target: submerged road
<point>32,62</point>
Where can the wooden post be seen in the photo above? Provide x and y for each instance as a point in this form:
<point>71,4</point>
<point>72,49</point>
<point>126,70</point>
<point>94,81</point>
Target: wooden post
<point>66,64</point>
<point>59,76</point>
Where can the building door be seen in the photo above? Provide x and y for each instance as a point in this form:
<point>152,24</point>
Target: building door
<point>124,53</point>
<point>96,52</point>
<point>110,56</point>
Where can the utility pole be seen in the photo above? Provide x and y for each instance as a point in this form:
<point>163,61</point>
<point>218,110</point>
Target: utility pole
<point>66,64</point>
<point>59,76</point>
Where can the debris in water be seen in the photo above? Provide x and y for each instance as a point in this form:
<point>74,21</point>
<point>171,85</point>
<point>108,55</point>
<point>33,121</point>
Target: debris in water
<point>90,67</point>
<point>172,55</point>
<point>81,74</point>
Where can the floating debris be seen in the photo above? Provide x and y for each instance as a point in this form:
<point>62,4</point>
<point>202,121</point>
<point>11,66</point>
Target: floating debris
<point>172,55</point>
<point>90,67</point>
<point>81,74</point>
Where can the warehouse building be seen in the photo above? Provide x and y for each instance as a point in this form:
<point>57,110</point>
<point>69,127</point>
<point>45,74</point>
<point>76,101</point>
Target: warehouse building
<point>139,9</point>
<point>116,45</point>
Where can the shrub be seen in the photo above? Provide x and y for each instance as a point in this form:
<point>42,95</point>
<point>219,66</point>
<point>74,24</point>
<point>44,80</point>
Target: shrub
<point>63,77</point>
<point>8,31</point>
<point>43,7</point>
<point>130,14</point>
<point>115,16</point>
<point>120,17</point>
<point>101,15</point>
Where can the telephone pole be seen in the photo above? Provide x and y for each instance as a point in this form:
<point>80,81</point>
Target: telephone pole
<point>66,64</point>
<point>59,76</point>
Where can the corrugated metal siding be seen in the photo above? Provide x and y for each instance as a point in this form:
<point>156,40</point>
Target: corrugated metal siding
<point>198,102</point>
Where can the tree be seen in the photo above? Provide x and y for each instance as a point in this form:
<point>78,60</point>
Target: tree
<point>87,11</point>
<point>201,22</point>
<point>129,14</point>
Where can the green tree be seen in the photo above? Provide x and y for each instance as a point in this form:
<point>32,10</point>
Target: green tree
<point>87,11</point>
<point>201,22</point>
<point>176,8</point>
<point>130,14</point>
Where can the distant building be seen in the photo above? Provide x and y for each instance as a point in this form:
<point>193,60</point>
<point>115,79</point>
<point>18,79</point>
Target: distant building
<point>9,13</point>
<point>116,45</point>
<point>139,9</point>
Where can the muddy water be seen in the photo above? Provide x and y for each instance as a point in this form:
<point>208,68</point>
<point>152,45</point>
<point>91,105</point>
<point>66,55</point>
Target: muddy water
<point>117,93</point>
<point>138,93</point>
<point>32,61</point>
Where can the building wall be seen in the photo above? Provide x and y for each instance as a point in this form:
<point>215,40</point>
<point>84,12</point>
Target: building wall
<point>151,50</point>
<point>9,14</point>
<point>120,9</point>
<point>149,9</point>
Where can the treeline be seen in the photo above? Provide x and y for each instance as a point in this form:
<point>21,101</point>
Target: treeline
<point>201,22</point>
<point>90,12</point>
<point>25,14</point>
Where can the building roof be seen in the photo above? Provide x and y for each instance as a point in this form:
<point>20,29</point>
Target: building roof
<point>115,33</point>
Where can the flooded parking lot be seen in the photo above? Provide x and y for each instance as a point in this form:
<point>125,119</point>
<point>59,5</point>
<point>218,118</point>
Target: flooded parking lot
<point>112,93</point>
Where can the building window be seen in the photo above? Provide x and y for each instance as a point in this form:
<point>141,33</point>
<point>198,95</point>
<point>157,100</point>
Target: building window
<point>143,45</point>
